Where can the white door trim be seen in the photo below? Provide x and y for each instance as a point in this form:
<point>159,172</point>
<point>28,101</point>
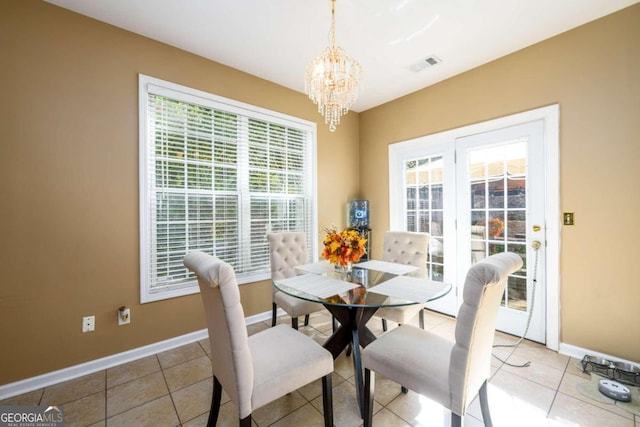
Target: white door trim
<point>551,117</point>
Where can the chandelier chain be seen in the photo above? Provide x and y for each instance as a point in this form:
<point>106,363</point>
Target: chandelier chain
<point>333,24</point>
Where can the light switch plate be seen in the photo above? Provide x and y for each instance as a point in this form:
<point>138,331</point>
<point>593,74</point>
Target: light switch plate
<point>567,218</point>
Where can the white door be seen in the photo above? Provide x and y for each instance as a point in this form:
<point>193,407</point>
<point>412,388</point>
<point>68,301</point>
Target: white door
<point>500,178</point>
<point>482,189</point>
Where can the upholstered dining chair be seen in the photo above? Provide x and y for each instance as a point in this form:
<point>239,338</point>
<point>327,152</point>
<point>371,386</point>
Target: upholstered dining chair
<point>258,369</point>
<point>404,247</point>
<point>287,250</point>
<point>449,372</point>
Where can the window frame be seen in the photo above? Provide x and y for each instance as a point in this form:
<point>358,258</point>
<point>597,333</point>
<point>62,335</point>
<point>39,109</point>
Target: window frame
<point>150,85</point>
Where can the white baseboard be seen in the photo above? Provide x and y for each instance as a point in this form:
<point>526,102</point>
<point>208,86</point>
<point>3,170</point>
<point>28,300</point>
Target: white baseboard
<point>579,353</point>
<point>261,317</point>
<point>66,374</point>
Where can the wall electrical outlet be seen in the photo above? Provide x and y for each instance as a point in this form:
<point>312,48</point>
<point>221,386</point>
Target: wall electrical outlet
<point>124,316</point>
<point>89,324</point>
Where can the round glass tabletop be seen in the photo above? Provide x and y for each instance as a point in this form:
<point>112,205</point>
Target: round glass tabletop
<point>362,286</point>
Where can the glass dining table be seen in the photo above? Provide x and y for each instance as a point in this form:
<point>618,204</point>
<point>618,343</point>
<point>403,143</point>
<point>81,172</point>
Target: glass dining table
<point>353,297</point>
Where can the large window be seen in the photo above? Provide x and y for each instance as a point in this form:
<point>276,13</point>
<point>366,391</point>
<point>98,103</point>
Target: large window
<point>216,176</point>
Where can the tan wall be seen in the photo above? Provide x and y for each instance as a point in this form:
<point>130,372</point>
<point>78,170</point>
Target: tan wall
<point>593,72</point>
<point>69,184</point>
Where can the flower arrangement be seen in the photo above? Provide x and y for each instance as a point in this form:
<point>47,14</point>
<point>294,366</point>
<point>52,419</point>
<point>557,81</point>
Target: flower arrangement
<point>343,247</point>
<point>496,227</point>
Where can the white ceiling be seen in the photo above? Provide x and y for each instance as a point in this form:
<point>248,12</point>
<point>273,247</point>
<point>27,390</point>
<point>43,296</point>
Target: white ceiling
<point>275,39</point>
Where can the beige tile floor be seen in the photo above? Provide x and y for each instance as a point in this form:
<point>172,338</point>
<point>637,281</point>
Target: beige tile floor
<point>173,388</point>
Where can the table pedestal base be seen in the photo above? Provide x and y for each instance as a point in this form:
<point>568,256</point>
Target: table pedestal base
<point>352,330</point>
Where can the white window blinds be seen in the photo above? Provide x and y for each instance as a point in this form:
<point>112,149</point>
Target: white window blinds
<point>217,176</point>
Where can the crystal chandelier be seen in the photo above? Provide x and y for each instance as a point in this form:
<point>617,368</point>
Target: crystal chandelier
<point>332,79</point>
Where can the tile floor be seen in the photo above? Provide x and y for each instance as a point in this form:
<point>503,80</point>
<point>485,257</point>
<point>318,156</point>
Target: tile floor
<point>173,388</point>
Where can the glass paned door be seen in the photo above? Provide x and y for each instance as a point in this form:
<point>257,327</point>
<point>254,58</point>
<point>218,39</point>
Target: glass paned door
<point>424,208</point>
<point>500,178</point>
<point>497,181</point>
<point>499,192</point>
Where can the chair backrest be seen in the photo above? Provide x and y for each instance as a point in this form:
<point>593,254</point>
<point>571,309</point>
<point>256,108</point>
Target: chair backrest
<point>230,354</point>
<point>470,363</point>
<point>286,250</point>
<point>406,247</point>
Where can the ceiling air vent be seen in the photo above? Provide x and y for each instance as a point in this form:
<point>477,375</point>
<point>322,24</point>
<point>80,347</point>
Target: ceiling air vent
<point>429,61</point>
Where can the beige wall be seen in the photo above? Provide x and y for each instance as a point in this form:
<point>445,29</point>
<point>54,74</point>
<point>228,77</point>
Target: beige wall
<point>69,184</point>
<point>593,72</point>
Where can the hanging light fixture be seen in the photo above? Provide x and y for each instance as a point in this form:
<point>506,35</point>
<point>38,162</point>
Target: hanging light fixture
<point>332,79</point>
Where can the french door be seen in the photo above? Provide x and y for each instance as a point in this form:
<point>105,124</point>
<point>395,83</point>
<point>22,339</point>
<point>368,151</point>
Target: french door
<point>500,208</point>
<point>477,194</point>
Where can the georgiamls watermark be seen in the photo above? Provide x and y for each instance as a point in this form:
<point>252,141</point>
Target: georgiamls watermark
<point>31,416</point>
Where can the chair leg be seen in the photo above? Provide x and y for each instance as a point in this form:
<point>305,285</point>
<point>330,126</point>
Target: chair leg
<point>421,319</point>
<point>215,403</point>
<point>456,420</point>
<point>369,391</point>
<point>306,320</point>
<point>274,309</point>
<point>484,405</point>
<point>384,325</point>
<point>245,422</point>
<point>294,323</point>
<point>327,401</point>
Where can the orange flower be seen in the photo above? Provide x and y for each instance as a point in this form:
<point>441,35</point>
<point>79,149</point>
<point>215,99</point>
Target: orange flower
<point>496,227</point>
<point>343,247</point>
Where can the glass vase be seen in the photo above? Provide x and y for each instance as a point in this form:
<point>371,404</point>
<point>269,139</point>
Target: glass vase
<point>343,271</point>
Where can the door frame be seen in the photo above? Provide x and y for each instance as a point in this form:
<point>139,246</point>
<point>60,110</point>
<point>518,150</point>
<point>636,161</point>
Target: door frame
<point>551,140</point>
